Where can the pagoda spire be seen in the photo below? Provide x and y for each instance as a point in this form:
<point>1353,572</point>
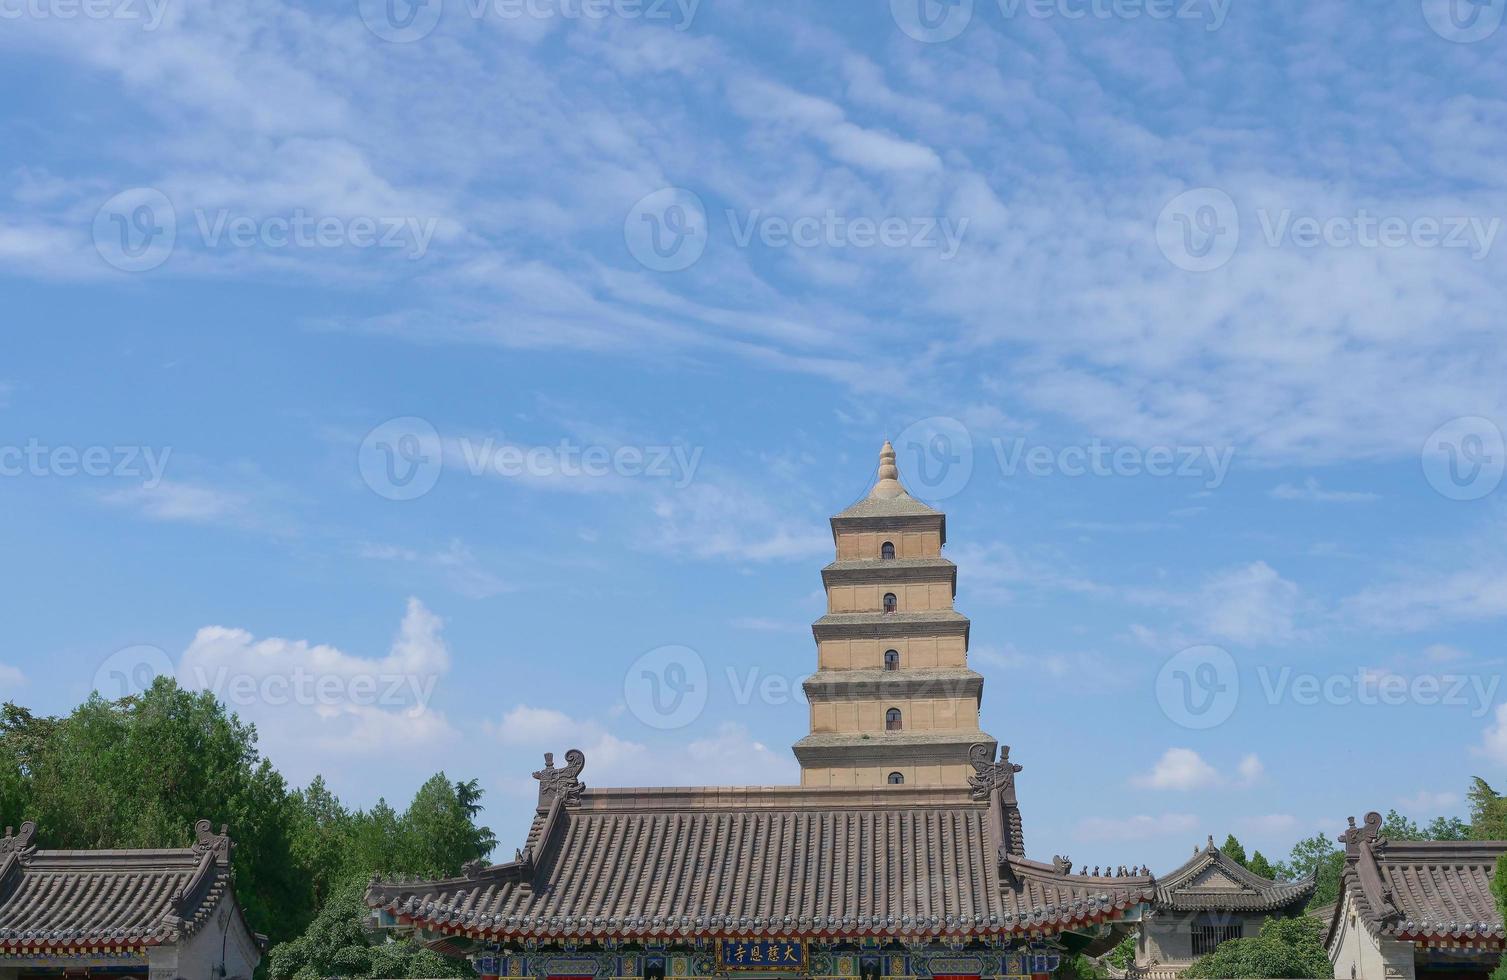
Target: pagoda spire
<point>888,486</point>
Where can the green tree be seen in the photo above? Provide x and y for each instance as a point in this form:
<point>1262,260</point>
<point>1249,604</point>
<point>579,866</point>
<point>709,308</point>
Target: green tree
<point>1488,812</point>
<point>139,772</point>
<point>336,944</point>
<point>1320,857</point>
<point>1258,864</point>
<point>1284,948</point>
<point>1234,849</point>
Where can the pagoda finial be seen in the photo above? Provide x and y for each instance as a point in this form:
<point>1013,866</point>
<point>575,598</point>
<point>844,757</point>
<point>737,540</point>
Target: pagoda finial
<point>889,475</point>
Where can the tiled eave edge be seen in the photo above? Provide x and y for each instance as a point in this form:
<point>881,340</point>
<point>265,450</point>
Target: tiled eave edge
<point>1029,927</point>
<point>38,947</point>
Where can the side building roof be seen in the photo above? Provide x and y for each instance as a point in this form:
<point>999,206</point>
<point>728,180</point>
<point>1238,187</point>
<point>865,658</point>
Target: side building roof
<point>1213,881</point>
<point>680,864</point>
<point>1423,891</point>
<point>57,901</point>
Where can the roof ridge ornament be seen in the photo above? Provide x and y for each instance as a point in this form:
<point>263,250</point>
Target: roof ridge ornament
<point>561,784</point>
<point>1355,836</point>
<point>20,843</point>
<point>992,776</point>
<point>209,842</point>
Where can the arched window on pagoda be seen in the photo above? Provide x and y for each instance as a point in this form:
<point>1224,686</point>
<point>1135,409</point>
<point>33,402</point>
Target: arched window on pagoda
<point>887,550</point>
<point>897,779</point>
<point>892,720</point>
<point>892,660</point>
<point>890,602</point>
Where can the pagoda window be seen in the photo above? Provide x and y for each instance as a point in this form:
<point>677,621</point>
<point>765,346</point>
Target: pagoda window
<point>897,779</point>
<point>892,660</point>
<point>890,602</point>
<point>887,550</point>
<point>892,721</point>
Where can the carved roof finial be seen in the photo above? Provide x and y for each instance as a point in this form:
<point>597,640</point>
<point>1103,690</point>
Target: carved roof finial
<point>992,775</point>
<point>206,841</point>
<point>1355,836</point>
<point>889,475</point>
<point>561,784</point>
<point>19,842</point>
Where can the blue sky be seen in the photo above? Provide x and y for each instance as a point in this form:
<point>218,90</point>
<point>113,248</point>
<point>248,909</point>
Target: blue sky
<point>414,376</point>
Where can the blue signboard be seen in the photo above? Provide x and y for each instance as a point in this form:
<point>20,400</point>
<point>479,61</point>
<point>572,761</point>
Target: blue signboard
<point>761,954</point>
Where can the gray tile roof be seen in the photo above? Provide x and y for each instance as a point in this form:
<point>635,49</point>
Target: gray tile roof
<point>782,861</point>
<point>1420,890</point>
<point>902,506</point>
<point>1213,881</point>
<point>56,900</point>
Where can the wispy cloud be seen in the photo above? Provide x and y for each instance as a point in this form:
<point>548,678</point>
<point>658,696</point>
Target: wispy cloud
<point>1311,491</point>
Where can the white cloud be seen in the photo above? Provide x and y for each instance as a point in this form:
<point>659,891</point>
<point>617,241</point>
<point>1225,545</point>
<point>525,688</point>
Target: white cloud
<point>620,761</point>
<point>728,521</point>
<point>1138,827</point>
<point>1494,739</point>
<point>1269,824</point>
<point>1312,492</point>
<point>11,676</point>
<point>1180,769</point>
<point>1250,769</point>
<point>1428,803</point>
<point>305,695</point>
<point>1249,605</point>
<point>184,502</point>
<point>455,564</point>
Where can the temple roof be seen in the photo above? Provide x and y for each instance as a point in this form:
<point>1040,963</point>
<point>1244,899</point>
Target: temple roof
<point>887,498</point>
<point>109,898</point>
<point>1212,880</point>
<point>1419,890</point>
<point>778,861</point>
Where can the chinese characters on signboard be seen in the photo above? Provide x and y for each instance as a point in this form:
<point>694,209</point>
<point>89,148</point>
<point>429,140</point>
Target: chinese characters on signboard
<point>761,954</point>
